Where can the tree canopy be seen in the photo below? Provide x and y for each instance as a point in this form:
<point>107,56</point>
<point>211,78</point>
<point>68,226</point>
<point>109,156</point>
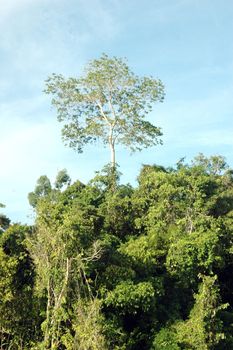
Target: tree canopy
<point>146,267</point>
<point>108,103</point>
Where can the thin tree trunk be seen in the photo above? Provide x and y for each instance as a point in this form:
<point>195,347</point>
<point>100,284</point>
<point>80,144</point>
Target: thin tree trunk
<point>112,146</point>
<point>113,156</point>
<point>112,174</point>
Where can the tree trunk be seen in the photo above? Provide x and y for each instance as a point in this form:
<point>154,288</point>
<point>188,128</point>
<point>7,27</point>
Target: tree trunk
<point>113,177</point>
<point>113,158</point>
<point>112,147</point>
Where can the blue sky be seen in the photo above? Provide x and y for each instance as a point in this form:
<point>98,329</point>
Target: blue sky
<point>186,43</point>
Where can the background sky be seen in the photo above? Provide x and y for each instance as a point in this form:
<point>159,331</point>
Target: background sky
<point>185,43</point>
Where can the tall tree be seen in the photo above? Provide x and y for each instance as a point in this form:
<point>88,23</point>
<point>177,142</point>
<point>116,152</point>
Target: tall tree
<point>42,189</point>
<point>62,179</point>
<point>108,103</point>
<point>64,245</point>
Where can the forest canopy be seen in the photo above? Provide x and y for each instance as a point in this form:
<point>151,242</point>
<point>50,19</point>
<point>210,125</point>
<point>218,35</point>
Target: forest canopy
<point>146,267</point>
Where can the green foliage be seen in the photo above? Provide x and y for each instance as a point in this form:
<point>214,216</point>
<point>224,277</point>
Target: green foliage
<point>17,323</point>
<point>62,179</point>
<point>166,339</point>
<point>87,328</point>
<point>108,103</point>
<point>63,245</point>
<point>131,298</point>
<point>42,189</point>
<point>107,179</point>
<point>203,329</point>
<point>4,220</point>
<point>198,252</point>
<point>213,165</point>
<point>109,266</point>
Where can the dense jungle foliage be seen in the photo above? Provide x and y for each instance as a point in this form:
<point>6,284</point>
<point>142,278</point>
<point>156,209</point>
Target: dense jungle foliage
<point>109,266</point>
